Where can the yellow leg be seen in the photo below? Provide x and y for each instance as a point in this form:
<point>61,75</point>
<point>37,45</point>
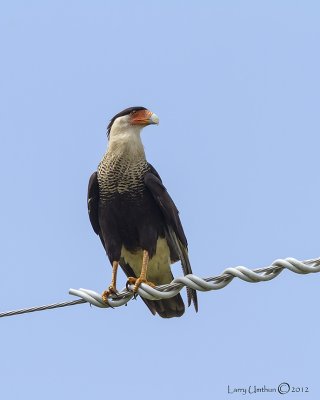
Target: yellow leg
<point>112,289</point>
<point>144,268</point>
<point>143,275</point>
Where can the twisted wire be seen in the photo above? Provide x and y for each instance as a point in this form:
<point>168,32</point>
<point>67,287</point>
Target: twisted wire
<point>191,281</point>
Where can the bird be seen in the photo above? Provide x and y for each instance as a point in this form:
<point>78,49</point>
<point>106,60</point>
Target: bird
<point>135,217</point>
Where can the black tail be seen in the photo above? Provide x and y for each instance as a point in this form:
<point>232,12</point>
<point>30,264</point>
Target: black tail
<point>169,308</point>
<point>191,293</point>
<point>182,251</point>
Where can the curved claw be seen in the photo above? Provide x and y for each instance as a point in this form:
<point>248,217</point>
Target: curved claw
<point>130,281</point>
<point>110,291</point>
<point>137,282</point>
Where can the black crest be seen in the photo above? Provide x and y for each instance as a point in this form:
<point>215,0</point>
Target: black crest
<point>122,113</point>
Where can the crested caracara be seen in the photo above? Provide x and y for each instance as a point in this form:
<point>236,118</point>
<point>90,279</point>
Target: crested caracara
<point>134,216</point>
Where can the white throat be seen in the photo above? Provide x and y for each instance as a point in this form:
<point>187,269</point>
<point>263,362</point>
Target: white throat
<point>125,140</point>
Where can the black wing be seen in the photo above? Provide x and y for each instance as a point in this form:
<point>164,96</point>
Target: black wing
<point>93,204</point>
<point>168,308</point>
<point>175,232</point>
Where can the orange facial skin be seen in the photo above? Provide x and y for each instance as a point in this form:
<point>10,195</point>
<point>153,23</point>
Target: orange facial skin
<point>141,117</point>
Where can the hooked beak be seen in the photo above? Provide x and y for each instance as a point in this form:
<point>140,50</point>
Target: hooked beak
<point>154,119</point>
<point>144,117</point>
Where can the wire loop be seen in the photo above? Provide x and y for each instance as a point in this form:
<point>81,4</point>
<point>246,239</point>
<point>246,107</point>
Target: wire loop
<point>191,281</point>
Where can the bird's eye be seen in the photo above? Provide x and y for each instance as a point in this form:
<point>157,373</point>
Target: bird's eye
<point>133,112</point>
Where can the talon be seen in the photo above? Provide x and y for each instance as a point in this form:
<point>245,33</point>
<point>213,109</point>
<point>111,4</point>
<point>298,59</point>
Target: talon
<point>140,280</point>
<point>130,281</point>
<point>137,282</point>
<point>104,296</point>
<point>110,291</point>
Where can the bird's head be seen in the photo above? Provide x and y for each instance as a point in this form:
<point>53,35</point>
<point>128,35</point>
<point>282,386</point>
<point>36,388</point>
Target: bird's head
<point>131,121</point>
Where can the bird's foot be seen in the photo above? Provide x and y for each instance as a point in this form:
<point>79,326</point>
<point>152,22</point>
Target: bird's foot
<point>111,290</point>
<point>137,282</point>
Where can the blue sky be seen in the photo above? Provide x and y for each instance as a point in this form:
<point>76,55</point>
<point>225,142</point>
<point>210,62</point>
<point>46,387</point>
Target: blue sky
<point>236,86</point>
